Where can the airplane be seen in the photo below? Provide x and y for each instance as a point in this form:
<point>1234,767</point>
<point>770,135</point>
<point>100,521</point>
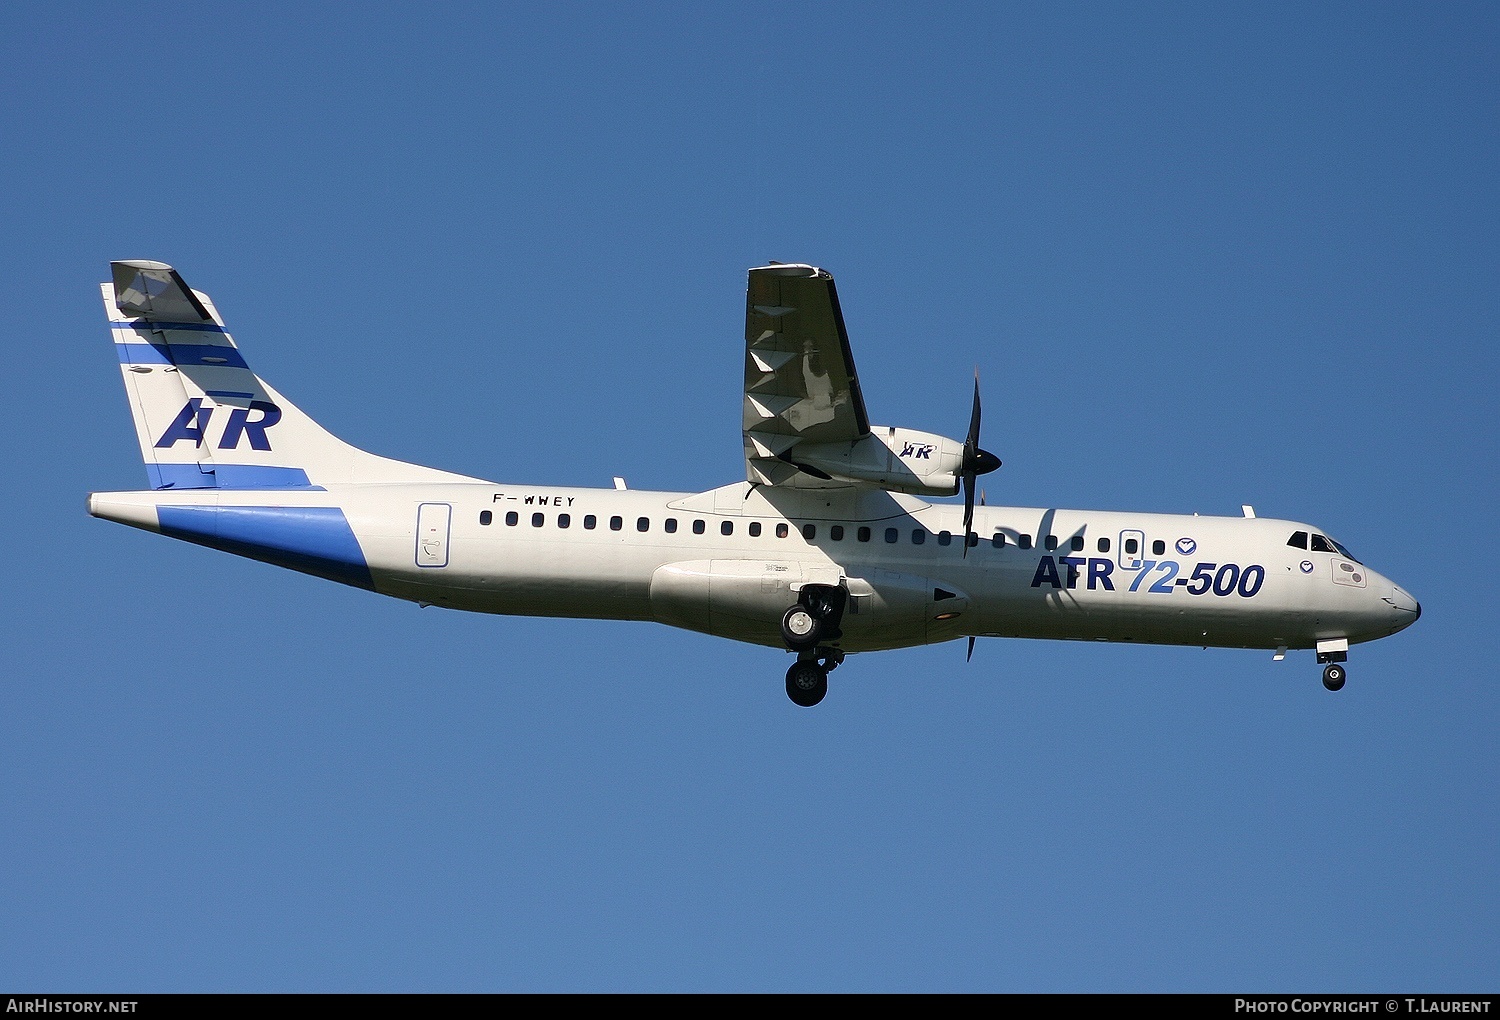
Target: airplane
<point>829,546</point>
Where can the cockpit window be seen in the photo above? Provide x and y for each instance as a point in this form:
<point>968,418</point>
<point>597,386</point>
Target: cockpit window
<point>1344,552</point>
<point>1320,543</point>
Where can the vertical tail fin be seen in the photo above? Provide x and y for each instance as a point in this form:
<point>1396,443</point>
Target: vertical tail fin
<point>203,418</point>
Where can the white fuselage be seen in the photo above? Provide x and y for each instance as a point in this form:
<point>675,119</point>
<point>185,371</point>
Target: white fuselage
<point>730,560</point>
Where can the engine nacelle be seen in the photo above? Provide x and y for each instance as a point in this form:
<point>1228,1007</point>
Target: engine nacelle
<point>903,460</point>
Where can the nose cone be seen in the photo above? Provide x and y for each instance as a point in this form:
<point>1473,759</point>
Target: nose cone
<point>1407,608</point>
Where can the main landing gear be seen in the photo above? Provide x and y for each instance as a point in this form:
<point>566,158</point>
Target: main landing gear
<point>809,628</point>
<point>807,679</point>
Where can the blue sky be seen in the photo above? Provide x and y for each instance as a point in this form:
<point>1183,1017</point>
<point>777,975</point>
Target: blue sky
<point>1200,257</point>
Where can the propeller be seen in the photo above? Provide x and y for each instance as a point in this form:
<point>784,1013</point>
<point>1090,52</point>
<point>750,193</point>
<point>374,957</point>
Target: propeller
<point>976,462</point>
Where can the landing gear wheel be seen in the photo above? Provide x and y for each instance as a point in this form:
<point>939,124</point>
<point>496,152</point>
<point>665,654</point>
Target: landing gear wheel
<point>1334,676</point>
<point>800,629</point>
<point>806,683</point>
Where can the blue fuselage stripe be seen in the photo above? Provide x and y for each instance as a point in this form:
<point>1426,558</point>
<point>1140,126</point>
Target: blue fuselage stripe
<point>314,540</point>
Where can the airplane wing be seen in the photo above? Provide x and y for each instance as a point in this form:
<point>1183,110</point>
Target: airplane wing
<point>800,385</point>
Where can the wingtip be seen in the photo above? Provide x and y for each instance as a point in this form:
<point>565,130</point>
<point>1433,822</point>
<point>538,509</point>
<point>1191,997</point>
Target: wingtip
<point>801,269</point>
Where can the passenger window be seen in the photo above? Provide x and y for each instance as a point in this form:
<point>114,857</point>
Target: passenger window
<point>512,519</point>
<point>1321,544</point>
<point>945,538</point>
<point>564,520</point>
<point>1158,547</point>
<point>755,529</point>
<point>1024,541</point>
<point>1298,540</point>
<point>670,524</point>
<point>1132,547</point>
<point>698,527</point>
<point>863,534</point>
<point>918,536</point>
<point>589,522</point>
<point>1077,543</point>
<point>485,517</point>
<point>998,540</point>
<point>616,523</point>
<point>1104,545</point>
<point>782,530</point>
<point>892,535</point>
<point>836,533</point>
<point>973,540</point>
<point>537,519</point>
<point>809,531</point>
<point>726,528</point>
<point>1051,543</point>
<point>643,524</point>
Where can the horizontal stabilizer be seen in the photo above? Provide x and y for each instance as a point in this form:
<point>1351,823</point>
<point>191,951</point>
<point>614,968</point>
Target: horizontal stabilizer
<point>153,291</point>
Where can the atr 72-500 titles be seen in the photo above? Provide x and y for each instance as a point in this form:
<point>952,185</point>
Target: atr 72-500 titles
<point>828,547</point>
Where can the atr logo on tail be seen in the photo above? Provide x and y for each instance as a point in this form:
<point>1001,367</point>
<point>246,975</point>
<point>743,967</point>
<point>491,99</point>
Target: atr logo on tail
<point>192,423</point>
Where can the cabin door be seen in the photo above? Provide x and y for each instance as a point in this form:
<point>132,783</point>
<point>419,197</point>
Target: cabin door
<point>433,521</point>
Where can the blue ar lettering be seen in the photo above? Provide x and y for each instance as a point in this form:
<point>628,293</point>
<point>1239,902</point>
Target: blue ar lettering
<point>189,424</point>
<point>241,425</point>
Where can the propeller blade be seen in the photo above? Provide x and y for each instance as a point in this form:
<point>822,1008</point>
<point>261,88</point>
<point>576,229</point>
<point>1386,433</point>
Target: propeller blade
<point>973,438</point>
<point>971,649</point>
<point>975,463</point>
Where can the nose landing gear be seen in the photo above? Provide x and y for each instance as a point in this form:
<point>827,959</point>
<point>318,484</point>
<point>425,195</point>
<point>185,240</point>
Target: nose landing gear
<point>1332,654</point>
<point>1334,676</point>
